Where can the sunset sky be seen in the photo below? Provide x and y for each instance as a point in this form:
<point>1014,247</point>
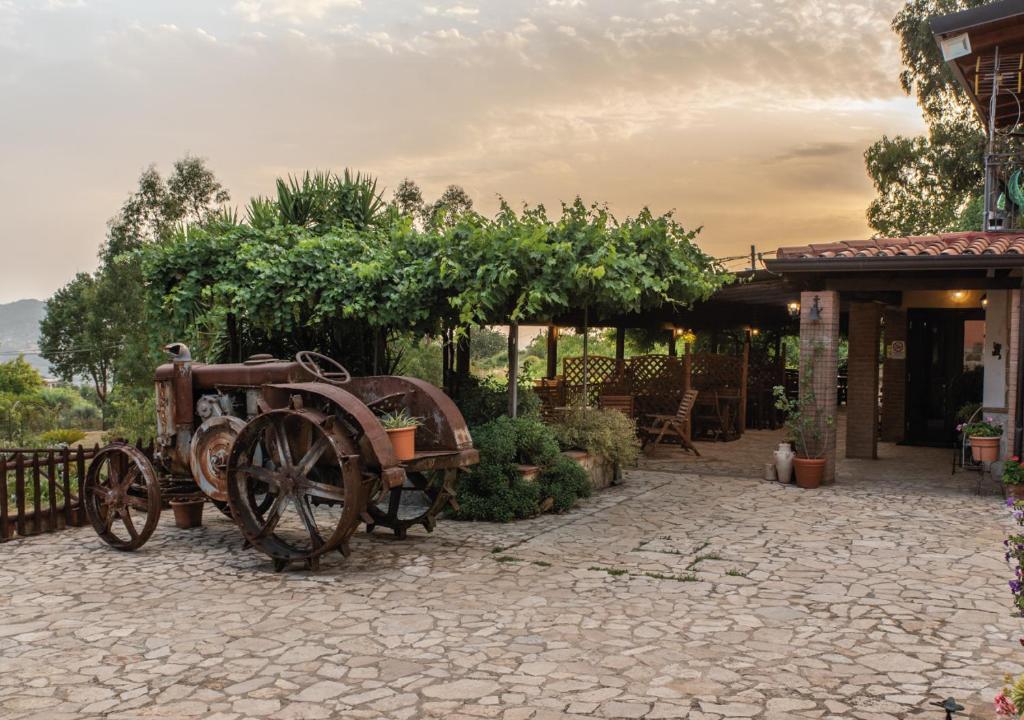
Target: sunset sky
<point>747,117</point>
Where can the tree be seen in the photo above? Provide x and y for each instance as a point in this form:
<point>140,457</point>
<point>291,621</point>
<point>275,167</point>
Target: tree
<point>76,334</point>
<point>96,326</point>
<point>445,212</point>
<point>408,199</point>
<point>19,377</point>
<point>925,184</point>
<point>190,195</point>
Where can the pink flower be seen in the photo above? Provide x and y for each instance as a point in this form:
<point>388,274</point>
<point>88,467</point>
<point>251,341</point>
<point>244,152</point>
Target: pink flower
<point>1004,706</point>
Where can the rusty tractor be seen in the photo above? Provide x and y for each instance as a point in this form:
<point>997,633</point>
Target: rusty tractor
<point>292,451</point>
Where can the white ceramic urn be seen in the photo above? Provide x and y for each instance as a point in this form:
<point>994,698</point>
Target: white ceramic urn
<point>784,463</point>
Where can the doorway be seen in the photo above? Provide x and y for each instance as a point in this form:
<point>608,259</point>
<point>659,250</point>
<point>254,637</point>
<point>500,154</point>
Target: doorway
<point>943,371</point>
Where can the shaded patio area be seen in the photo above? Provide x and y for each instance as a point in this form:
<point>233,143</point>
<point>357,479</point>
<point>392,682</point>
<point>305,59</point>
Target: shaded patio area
<point>919,468</point>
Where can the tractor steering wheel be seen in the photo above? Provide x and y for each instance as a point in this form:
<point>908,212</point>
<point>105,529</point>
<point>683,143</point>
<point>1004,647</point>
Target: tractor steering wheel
<point>314,363</point>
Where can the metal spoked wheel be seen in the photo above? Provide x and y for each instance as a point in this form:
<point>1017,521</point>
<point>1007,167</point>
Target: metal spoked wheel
<point>419,501</point>
<point>307,464</point>
<point>121,495</point>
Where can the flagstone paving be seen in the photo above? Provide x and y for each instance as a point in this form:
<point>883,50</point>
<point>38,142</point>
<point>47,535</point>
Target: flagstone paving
<point>670,596</point>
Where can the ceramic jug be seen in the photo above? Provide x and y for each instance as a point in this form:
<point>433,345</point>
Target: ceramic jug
<point>784,463</point>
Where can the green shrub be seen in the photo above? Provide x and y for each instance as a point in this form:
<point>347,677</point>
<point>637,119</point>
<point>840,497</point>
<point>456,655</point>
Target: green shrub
<point>492,493</point>
<point>536,444</point>
<point>131,414</point>
<point>564,481</point>
<point>606,433</point>
<point>496,442</point>
<point>493,490</point>
<point>60,437</point>
<point>484,399</point>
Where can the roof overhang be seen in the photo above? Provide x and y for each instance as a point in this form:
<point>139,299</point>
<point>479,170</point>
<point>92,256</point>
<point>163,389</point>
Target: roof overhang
<point>971,37</point>
<point>898,263</point>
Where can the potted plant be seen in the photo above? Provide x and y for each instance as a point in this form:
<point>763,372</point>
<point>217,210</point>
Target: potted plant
<point>1013,479</point>
<point>984,437</point>
<point>188,512</point>
<point>808,427</point>
<point>401,426</point>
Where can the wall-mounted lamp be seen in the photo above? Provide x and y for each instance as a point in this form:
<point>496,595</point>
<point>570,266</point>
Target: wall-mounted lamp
<point>794,309</point>
<point>997,350</point>
<point>984,300</point>
<point>815,313</point>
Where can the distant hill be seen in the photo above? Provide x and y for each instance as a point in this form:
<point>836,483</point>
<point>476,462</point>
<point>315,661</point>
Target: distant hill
<point>19,332</point>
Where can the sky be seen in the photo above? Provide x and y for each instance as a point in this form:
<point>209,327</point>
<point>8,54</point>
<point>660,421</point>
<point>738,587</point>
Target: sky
<point>746,117</point>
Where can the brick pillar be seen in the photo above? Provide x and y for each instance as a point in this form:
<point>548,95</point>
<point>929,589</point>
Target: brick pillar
<point>862,393</point>
<point>894,377</point>
<point>1013,358</point>
<point>819,351</point>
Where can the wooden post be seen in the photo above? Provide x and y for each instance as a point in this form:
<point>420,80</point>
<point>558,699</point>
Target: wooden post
<point>51,487</point>
<point>80,472</point>
<point>462,358</point>
<point>65,483</point>
<point>672,343</point>
<point>446,360</point>
<point>620,346</point>
<point>513,369</point>
<point>37,499</point>
<point>744,375</point>
<point>5,524</point>
<point>19,493</point>
<point>552,352</point>
<point>687,385</point>
<point>586,355</point>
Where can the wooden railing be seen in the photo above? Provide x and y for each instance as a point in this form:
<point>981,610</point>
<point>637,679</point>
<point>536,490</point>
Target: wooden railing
<point>39,489</point>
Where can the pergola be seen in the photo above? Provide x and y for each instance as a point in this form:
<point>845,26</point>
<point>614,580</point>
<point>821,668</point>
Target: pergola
<point>757,301</point>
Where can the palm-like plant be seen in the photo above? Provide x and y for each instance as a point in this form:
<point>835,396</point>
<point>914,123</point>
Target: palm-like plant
<point>321,200</point>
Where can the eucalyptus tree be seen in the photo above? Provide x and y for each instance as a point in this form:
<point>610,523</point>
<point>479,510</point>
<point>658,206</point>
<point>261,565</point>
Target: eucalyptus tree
<point>95,326</point>
<point>925,183</point>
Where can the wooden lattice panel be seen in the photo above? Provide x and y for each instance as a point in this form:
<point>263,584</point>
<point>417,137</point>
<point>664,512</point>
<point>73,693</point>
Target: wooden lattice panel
<point>711,371</point>
<point>602,375</point>
<point>656,374</point>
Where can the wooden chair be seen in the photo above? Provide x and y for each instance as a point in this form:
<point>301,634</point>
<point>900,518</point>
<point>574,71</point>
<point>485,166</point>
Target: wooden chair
<point>622,403</point>
<point>677,426</point>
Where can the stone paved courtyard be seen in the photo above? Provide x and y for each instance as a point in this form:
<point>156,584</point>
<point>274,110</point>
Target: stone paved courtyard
<point>673,595</point>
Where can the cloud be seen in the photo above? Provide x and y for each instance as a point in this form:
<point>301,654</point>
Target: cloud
<point>705,107</point>
<point>814,151</point>
<point>462,11</point>
<point>295,11</point>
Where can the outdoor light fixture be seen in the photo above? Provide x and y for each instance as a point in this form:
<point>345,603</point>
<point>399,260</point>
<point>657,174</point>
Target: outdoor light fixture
<point>984,301</point>
<point>755,331</point>
<point>950,705</point>
<point>794,309</point>
<point>815,314</point>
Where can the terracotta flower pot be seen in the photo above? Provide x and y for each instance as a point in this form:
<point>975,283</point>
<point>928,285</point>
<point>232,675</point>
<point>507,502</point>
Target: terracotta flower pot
<point>985,449</point>
<point>1014,492</point>
<point>188,513</point>
<point>404,442</point>
<point>809,472</point>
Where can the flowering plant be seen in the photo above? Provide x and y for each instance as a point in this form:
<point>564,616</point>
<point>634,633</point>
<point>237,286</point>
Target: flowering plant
<point>1015,556</point>
<point>986,428</point>
<point>1005,707</point>
<point>1013,472</point>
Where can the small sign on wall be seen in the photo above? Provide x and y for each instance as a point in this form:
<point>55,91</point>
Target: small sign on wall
<point>897,350</point>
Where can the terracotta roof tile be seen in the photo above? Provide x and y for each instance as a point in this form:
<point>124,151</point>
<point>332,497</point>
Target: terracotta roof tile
<point>961,243</point>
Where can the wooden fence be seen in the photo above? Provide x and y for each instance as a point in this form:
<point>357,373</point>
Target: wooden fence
<point>39,489</point>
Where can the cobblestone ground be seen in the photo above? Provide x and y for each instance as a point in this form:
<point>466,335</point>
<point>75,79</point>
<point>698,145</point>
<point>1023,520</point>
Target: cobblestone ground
<point>670,596</point>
